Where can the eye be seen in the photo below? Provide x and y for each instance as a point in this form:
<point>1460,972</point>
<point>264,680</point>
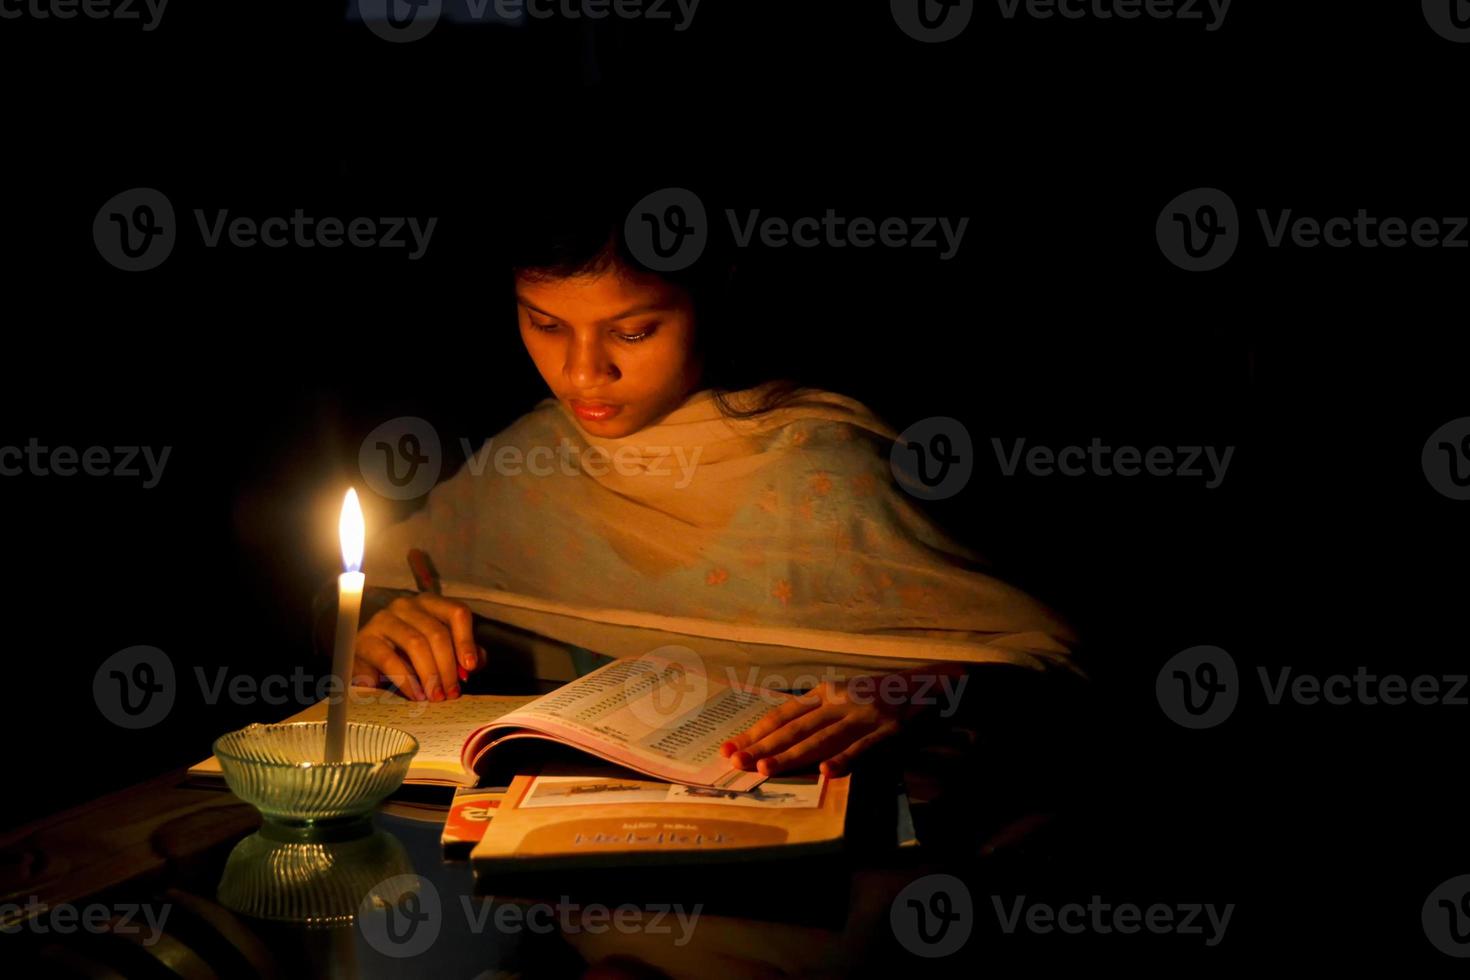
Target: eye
<point>634,338</point>
<point>543,327</point>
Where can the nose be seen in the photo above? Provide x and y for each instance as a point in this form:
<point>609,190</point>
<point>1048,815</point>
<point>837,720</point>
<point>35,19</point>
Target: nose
<point>588,366</point>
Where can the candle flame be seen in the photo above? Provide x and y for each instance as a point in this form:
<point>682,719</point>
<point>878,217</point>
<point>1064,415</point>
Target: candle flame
<point>352,532</point>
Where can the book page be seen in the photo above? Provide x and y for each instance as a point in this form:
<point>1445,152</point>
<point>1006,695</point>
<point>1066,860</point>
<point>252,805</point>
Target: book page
<point>655,713</point>
<point>440,726</point>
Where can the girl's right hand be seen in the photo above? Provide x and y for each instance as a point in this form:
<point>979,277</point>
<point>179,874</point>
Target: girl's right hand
<point>418,643</point>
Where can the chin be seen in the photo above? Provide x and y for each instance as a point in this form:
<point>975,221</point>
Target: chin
<point>614,428</point>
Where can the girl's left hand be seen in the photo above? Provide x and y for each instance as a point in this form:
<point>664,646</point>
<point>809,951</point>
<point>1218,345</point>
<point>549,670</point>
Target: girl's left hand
<point>826,724</point>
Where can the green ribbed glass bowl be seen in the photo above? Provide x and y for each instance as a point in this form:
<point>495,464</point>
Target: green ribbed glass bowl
<point>279,770</point>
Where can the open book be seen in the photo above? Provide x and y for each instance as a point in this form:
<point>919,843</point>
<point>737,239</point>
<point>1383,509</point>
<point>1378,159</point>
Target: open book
<point>661,717</point>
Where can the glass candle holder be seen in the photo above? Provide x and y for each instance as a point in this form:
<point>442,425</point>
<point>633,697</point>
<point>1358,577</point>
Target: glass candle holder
<point>279,769</point>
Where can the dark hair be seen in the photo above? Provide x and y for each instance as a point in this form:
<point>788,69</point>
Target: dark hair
<point>579,231</point>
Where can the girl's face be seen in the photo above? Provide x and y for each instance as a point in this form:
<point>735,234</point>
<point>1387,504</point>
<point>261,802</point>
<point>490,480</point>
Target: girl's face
<point>618,340</point>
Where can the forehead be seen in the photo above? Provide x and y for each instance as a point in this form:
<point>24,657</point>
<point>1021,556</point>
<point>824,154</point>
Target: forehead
<point>604,294</point>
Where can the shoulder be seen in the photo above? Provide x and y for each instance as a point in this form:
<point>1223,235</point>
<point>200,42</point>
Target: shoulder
<point>817,421</point>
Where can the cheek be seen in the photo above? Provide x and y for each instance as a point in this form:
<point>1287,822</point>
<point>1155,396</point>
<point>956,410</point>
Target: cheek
<point>542,348</point>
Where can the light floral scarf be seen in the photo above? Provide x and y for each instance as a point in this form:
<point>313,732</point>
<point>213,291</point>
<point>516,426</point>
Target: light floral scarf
<point>785,539</point>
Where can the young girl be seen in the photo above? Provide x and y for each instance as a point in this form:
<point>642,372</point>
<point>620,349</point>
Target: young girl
<point>664,478</point>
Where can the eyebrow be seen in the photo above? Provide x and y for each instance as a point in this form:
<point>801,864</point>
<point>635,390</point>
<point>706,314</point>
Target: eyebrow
<point>632,311</point>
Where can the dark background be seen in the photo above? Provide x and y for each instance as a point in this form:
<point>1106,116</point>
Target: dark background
<point>1059,320</point>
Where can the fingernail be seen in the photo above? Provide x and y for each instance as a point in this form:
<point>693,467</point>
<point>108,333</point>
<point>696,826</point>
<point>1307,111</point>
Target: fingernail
<point>464,675</point>
<point>436,693</point>
<point>452,691</point>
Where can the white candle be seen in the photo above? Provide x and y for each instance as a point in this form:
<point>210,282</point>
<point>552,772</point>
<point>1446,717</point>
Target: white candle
<point>349,605</point>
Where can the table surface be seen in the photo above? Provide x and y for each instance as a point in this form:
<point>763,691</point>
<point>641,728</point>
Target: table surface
<point>161,847</point>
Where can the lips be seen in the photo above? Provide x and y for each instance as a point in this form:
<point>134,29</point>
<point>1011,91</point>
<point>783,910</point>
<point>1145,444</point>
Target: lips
<point>595,411</point>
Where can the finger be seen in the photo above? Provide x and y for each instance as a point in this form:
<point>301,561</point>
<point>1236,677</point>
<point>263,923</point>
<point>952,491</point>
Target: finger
<point>364,674</point>
<point>461,623</point>
<point>791,732</point>
<point>441,643</point>
<point>769,722</point>
<point>405,628</point>
<point>380,652</point>
<point>840,763</point>
<point>815,747</point>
